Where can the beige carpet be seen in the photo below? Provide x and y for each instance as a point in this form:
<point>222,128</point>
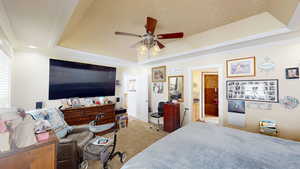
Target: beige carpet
<point>132,140</point>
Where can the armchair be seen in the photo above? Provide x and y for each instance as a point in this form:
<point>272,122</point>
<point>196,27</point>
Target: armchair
<point>72,139</point>
<point>70,147</point>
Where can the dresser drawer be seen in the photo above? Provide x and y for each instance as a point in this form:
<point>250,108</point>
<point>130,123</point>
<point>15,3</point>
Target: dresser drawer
<point>107,107</point>
<point>75,113</point>
<point>85,115</point>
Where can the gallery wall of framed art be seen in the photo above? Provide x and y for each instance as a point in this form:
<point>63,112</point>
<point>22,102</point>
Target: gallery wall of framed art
<point>253,90</point>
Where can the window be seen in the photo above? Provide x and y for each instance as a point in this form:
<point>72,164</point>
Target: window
<point>4,80</point>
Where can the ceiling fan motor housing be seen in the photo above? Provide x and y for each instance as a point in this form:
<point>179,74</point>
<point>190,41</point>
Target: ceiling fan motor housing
<point>149,40</point>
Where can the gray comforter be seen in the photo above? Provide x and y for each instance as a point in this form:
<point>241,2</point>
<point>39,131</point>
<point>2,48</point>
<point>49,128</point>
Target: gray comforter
<point>206,146</point>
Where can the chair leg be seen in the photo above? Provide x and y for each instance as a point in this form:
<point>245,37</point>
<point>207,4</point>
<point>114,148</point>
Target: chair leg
<point>157,129</point>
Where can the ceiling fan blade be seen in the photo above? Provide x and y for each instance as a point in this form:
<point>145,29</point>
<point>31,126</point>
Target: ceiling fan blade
<point>151,25</point>
<point>160,45</point>
<point>170,35</point>
<point>128,34</point>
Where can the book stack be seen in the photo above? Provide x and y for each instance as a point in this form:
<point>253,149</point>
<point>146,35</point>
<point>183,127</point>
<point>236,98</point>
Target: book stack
<point>268,127</point>
<point>102,141</point>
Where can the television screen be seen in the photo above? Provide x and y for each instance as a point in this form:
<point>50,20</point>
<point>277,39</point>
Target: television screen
<point>71,79</point>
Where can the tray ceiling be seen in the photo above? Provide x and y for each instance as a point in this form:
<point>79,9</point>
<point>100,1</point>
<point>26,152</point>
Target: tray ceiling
<point>93,22</point>
<point>94,32</point>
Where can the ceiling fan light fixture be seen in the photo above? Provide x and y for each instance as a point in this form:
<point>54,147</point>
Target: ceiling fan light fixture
<point>142,50</point>
<point>149,44</point>
<point>156,48</point>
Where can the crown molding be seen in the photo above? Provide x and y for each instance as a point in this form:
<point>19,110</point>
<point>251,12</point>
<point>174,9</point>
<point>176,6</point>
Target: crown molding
<point>66,52</point>
<point>217,47</point>
<point>294,23</point>
<point>62,18</point>
<point>6,25</point>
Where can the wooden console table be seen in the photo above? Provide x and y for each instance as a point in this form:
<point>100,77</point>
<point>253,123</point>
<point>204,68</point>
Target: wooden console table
<point>41,155</point>
<point>84,115</point>
<point>171,117</point>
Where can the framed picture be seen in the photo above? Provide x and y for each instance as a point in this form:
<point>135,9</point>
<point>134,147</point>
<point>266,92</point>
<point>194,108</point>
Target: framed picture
<point>75,102</point>
<point>158,88</point>
<point>292,73</point>
<point>89,101</point>
<point>176,88</point>
<point>159,74</point>
<point>253,90</point>
<point>132,85</point>
<point>236,106</point>
<point>241,67</point>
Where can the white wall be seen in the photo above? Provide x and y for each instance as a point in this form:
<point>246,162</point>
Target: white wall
<point>30,81</point>
<point>30,77</point>
<point>284,54</point>
<point>137,101</point>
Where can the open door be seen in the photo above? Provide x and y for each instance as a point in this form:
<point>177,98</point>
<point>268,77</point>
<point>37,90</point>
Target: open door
<point>131,95</point>
<point>211,98</point>
<point>142,95</point>
<point>137,94</point>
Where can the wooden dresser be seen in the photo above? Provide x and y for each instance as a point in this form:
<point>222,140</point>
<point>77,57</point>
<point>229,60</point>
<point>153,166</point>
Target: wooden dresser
<point>84,115</point>
<point>38,156</point>
<point>171,117</point>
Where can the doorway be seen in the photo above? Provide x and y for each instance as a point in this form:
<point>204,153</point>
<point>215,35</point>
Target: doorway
<point>205,91</point>
<point>210,97</point>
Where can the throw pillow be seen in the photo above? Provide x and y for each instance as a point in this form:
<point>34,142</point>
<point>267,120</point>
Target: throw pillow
<point>23,135</point>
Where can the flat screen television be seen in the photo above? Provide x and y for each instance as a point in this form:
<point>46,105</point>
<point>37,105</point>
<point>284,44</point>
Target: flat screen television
<point>72,79</point>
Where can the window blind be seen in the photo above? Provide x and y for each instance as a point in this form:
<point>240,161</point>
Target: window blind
<point>4,80</point>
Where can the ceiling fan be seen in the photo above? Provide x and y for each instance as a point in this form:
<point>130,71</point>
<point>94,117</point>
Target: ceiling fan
<point>150,39</point>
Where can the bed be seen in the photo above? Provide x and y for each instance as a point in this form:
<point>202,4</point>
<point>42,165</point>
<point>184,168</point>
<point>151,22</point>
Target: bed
<point>207,146</point>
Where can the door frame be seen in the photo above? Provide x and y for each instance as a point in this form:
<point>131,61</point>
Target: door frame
<point>202,105</point>
<point>220,69</point>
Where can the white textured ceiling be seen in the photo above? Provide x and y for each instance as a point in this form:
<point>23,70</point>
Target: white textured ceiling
<point>38,22</point>
<point>93,23</point>
<point>94,32</point>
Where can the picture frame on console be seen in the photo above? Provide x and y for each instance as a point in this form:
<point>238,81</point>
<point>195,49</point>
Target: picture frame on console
<point>75,102</point>
<point>89,101</point>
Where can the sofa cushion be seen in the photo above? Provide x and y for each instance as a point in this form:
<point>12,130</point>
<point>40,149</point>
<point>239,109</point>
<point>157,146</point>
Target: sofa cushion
<point>63,131</point>
<point>81,138</point>
<point>55,118</point>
